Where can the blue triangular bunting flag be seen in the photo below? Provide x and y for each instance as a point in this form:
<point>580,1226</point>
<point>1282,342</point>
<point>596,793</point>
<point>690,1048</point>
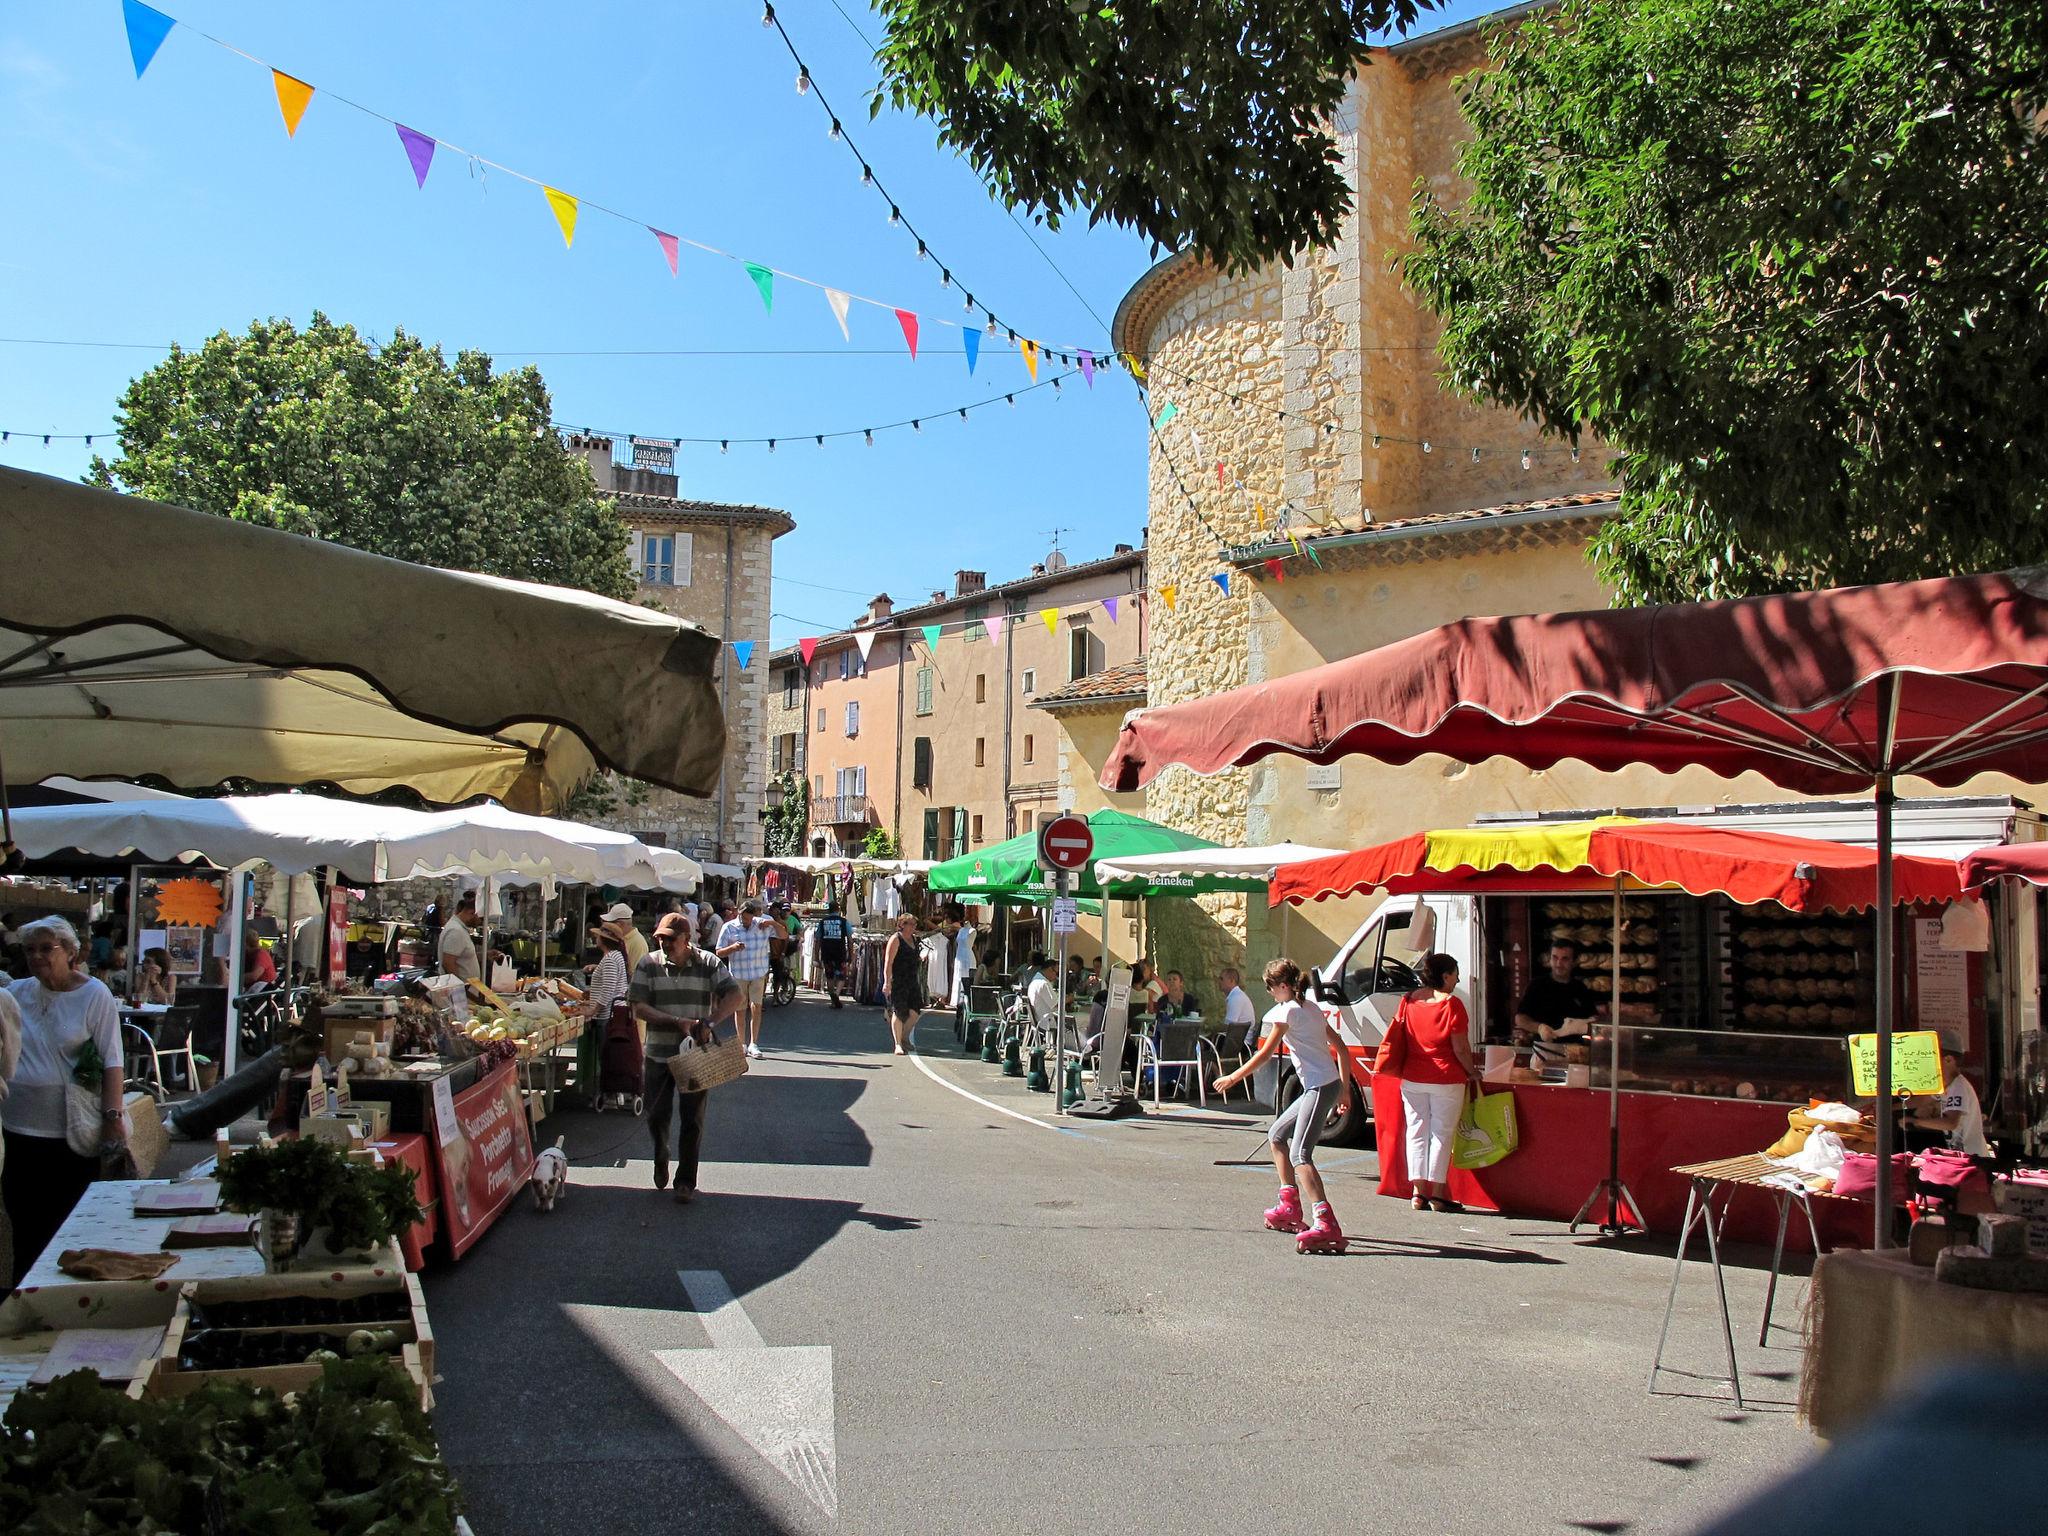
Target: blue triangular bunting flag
<point>1222,579</point>
<point>970,338</point>
<point>744,649</point>
<point>147,29</point>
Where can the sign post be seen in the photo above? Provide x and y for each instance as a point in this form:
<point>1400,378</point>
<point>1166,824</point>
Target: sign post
<point>1065,845</point>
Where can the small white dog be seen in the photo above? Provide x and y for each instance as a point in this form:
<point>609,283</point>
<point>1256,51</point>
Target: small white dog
<point>550,1175</point>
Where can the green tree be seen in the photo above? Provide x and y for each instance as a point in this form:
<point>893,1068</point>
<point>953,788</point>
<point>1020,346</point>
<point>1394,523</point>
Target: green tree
<point>1203,125</point>
<point>785,826</point>
<point>390,449</point>
<point>881,844</point>
<point>1789,257</point>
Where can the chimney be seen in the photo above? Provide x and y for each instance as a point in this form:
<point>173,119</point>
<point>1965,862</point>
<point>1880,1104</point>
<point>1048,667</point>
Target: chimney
<point>1039,569</point>
<point>1122,549</point>
<point>966,583</point>
<point>879,609</point>
<point>597,453</point>
<point>938,594</point>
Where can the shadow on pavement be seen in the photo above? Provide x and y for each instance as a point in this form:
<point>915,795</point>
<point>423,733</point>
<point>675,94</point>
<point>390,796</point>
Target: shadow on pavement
<point>1406,1248</point>
<point>554,1411</point>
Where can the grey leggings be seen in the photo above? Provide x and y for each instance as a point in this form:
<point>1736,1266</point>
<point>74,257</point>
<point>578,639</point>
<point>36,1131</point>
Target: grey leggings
<point>1299,1126</point>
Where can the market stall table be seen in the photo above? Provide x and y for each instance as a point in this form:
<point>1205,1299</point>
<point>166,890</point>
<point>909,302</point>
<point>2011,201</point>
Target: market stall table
<point>1876,1322</point>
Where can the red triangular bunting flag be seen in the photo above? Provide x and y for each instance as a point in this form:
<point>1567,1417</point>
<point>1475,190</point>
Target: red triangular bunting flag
<point>908,321</point>
<point>1276,570</point>
<point>809,649</point>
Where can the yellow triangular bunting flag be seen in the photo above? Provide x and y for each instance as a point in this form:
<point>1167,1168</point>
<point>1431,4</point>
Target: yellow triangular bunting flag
<point>292,96</point>
<point>1030,351</point>
<point>565,208</point>
<point>1172,595</point>
<point>1261,510</point>
<point>1052,620</point>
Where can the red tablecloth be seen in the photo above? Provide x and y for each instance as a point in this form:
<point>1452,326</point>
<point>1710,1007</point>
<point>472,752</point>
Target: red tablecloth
<point>412,1150</point>
<point>1563,1153</point>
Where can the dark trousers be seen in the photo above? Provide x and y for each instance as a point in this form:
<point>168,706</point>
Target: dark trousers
<point>689,1107</point>
<point>42,1181</point>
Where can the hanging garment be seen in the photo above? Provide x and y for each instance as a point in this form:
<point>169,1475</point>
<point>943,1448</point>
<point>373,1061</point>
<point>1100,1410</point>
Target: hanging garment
<point>937,969</point>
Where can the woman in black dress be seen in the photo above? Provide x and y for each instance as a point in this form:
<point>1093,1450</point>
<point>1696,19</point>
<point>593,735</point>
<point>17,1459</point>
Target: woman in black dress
<point>903,965</point>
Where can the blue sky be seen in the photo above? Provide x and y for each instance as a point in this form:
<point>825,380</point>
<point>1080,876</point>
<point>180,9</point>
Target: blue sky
<point>167,208</point>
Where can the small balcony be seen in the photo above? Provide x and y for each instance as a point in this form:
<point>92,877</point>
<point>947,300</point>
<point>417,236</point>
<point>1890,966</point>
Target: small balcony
<point>843,811</point>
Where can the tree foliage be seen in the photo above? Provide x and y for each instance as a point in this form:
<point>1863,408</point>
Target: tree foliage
<point>1789,257</point>
<point>1201,123</point>
<point>391,449</point>
<point>785,825</point>
<point>881,844</point>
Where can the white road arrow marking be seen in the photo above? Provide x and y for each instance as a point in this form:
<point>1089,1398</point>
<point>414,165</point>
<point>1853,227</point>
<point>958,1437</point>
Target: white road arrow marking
<point>778,1400</point>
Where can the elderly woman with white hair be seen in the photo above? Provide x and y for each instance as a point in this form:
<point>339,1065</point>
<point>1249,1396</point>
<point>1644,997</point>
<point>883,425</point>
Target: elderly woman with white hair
<point>63,1011</point>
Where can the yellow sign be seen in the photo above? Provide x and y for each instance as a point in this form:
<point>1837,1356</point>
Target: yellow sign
<point>1916,1062</point>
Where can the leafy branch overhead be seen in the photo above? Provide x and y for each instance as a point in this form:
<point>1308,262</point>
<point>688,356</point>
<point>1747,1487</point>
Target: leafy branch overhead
<point>391,449</point>
<point>1790,257</point>
<point>1198,123</point>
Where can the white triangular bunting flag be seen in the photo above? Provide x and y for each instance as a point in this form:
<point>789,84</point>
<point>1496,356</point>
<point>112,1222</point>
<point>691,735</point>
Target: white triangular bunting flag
<point>865,639</point>
<point>839,301</point>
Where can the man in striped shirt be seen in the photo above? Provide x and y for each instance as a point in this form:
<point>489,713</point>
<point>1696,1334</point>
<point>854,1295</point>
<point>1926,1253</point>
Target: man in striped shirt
<point>678,990</point>
<point>743,945</point>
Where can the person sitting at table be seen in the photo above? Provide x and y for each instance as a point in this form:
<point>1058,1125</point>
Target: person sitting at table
<point>1556,1001</point>
<point>157,984</point>
<point>1178,1002</point>
<point>1077,976</point>
<point>1958,1115</point>
<point>1043,993</point>
<point>1240,1019</point>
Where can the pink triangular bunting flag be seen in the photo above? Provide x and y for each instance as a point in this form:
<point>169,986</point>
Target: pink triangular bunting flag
<point>908,321</point>
<point>994,626</point>
<point>809,648</point>
<point>671,247</point>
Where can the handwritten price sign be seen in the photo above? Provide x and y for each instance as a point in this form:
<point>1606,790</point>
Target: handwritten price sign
<point>1916,1062</point>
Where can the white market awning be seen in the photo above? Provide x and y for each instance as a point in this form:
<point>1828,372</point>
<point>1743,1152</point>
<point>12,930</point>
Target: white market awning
<point>1195,864</point>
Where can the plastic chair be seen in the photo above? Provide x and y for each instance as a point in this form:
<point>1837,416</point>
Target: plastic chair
<point>1175,1045</point>
<point>1226,1046</point>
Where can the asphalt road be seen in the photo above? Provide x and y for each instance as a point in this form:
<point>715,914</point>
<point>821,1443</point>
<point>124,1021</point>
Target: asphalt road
<point>1029,1328</point>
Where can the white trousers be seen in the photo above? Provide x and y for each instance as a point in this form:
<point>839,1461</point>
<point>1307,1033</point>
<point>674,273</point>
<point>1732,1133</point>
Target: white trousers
<point>1431,1111</point>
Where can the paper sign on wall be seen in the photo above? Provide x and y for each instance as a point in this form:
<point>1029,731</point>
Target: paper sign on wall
<point>1916,1062</point>
<point>444,1110</point>
<point>1941,984</point>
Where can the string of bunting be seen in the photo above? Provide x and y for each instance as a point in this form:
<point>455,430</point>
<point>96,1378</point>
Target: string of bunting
<point>148,28</point>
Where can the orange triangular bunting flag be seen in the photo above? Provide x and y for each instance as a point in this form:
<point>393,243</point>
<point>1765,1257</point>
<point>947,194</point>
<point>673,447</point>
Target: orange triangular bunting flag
<point>1172,596</point>
<point>292,97</point>
<point>1030,351</point>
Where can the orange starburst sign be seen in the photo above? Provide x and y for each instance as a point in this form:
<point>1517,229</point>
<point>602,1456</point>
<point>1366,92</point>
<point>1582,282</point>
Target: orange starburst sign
<point>188,903</point>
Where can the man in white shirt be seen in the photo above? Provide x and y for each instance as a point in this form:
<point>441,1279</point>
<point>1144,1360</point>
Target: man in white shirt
<point>1960,1114</point>
<point>1238,1013</point>
<point>636,946</point>
<point>1043,992</point>
<point>458,949</point>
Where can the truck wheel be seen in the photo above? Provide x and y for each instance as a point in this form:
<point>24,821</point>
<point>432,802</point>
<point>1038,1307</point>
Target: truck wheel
<point>1348,1124</point>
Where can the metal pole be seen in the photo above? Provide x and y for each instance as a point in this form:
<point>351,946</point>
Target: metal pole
<point>291,895</point>
<point>1614,1066</point>
<point>1882,1237</point>
<point>484,955</point>
<point>1059,1018</point>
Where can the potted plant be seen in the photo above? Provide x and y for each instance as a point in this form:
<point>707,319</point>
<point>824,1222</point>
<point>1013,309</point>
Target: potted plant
<point>308,1189</point>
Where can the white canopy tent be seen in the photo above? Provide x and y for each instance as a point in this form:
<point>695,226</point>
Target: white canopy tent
<point>297,834</point>
<point>1196,864</point>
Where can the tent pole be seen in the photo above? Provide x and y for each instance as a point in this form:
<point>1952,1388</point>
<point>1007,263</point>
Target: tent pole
<point>1882,1236</point>
<point>1621,1204</point>
<point>291,894</point>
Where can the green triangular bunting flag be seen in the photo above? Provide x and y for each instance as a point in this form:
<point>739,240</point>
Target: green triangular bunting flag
<point>765,281</point>
<point>931,637</point>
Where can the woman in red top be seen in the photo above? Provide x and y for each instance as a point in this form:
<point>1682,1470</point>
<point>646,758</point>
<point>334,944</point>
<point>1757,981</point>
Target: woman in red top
<point>1429,1048</point>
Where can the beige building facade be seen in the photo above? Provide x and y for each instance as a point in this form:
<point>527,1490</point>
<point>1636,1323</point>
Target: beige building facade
<point>933,735</point>
<point>1316,387</point>
<point>711,563</point>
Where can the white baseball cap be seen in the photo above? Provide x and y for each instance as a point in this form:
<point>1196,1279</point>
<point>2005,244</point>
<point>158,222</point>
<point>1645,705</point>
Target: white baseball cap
<point>618,912</point>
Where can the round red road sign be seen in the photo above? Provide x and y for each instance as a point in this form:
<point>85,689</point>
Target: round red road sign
<point>1065,842</point>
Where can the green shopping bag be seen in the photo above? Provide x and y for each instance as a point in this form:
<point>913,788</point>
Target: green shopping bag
<point>1486,1130</point>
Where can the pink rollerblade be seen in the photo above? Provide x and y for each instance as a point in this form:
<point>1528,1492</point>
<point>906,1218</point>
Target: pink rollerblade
<point>1324,1237</point>
<point>1286,1216</point>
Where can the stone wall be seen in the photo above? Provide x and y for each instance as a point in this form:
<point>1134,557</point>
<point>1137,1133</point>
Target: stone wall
<point>1225,333</point>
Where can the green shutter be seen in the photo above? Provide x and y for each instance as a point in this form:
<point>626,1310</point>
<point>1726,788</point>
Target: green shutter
<point>959,829</point>
<point>931,834</point>
<point>924,690</point>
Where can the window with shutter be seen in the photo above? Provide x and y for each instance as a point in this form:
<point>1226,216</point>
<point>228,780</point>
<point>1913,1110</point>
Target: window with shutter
<point>924,690</point>
<point>1029,681</point>
<point>931,834</point>
<point>789,689</point>
<point>977,831</point>
<point>853,717</point>
<point>775,759</point>
<point>1028,749</point>
<point>921,763</point>
<point>821,719</point>
<point>975,631</point>
<point>959,829</point>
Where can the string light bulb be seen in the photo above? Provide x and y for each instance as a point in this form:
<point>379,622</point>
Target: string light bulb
<point>1575,455</point>
<point>916,425</point>
<point>771,445</point>
<point>1475,455</point>
<point>821,439</point>
<point>1375,440</point>
<point>835,128</point>
<point>945,278</point>
<point>991,322</point>
<point>803,81</point>
<point>1525,458</point>
<point>963,413</point>
<point>1425,445</point>
<point>869,437</point>
<point>895,215</point>
<point>767,15</point>
<point>867,174</point>
<point>724,446</point>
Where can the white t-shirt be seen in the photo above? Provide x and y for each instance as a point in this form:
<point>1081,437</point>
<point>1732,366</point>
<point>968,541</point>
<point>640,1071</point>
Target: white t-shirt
<point>1044,996</point>
<point>963,962</point>
<point>1961,1099</point>
<point>54,1027</point>
<point>457,945</point>
<point>1308,1037</point>
<point>1239,1014</point>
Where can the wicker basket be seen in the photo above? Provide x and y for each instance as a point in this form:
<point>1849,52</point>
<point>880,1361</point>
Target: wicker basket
<point>709,1065</point>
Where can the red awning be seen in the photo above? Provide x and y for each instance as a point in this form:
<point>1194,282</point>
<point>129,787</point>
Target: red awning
<point>1749,867</point>
<point>2022,861</point>
<point>1798,688</point>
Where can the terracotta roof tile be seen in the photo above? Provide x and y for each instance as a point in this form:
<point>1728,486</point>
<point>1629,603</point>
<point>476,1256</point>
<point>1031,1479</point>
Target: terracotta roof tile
<point>1123,681</point>
<point>1594,503</point>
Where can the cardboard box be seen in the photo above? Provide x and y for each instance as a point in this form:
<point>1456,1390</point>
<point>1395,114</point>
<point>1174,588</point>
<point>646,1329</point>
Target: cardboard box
<point>2028,1200</point>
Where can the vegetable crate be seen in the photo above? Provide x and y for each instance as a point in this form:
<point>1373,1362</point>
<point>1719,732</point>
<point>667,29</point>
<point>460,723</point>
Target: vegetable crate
<point>259,1333</point>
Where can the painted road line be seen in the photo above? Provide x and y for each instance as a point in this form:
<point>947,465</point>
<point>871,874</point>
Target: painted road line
<point>777,1399</point>
<point>917,1061</point>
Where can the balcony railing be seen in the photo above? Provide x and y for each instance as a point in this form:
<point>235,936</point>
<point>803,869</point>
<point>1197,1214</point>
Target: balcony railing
<point>843,810</point>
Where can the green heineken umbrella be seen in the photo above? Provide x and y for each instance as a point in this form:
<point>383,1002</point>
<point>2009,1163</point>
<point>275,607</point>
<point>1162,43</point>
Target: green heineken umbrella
<point>1011,869</point>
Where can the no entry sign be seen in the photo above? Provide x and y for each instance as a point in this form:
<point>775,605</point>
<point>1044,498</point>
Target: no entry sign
<point>1065,842</point>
